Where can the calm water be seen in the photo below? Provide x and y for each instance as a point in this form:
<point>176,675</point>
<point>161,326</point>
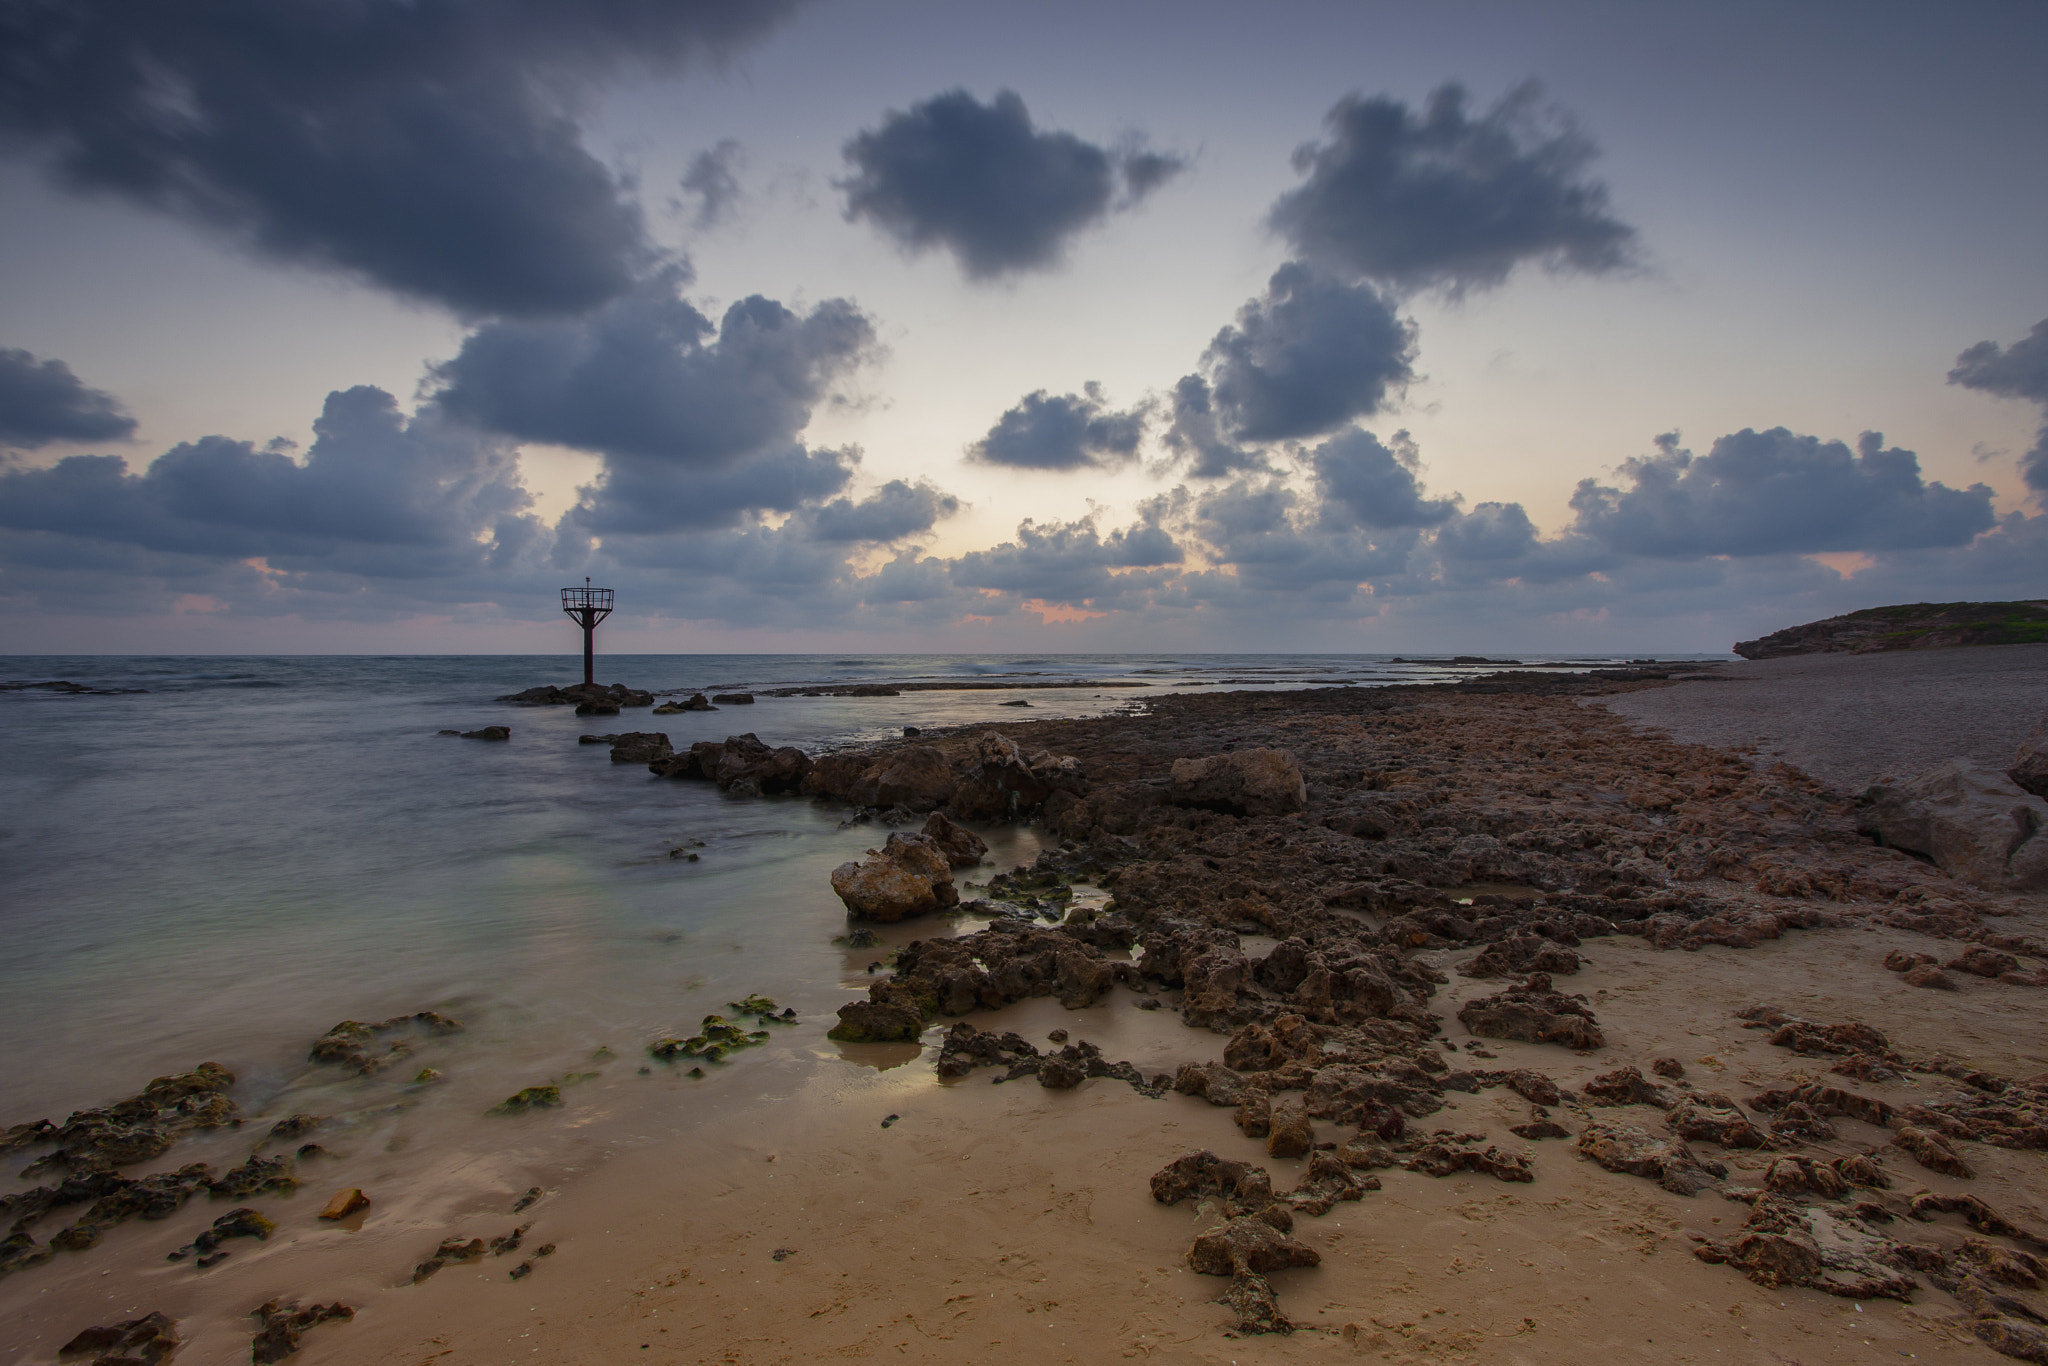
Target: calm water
<point>254,848</point>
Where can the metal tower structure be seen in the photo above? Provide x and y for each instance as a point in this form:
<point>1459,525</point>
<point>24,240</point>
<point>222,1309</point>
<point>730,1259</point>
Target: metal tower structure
<point>588,606</point>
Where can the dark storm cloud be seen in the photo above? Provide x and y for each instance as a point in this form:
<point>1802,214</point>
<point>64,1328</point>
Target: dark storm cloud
<point>1306,357</point>
<point>890,513</point>
<point>42,401</point>
<point>980,181</point>
<point>1073,431</point>
<point>649,377</point>
<point>428,146</point>
<point>378,494</point>
<point>1364,483</point>
<point>2017,371</point>
<point>636,496</point>
<point>1772,492</point>
<point>1438,198</point>
<point>1195,432</point>
<point>713,181</point>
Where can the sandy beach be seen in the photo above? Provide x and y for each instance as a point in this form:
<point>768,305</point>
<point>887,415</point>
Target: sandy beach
<point>1718,922</point>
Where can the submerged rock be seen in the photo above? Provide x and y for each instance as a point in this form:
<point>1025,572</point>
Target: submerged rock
<point>530,1098</point>
<point>640,747</point>
<point>285,1324</point>
<point>137,1342</point>
<point>488,733</point>
<point>615,695</point>
<point>349,1042</point>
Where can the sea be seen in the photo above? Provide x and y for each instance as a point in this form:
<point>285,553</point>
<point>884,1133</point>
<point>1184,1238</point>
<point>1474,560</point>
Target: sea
<point>219,858</point>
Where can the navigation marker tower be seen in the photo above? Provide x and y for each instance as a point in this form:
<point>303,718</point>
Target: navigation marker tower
<point>588,606</point>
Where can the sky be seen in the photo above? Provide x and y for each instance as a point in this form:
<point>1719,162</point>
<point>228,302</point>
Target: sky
<point>337,326</point>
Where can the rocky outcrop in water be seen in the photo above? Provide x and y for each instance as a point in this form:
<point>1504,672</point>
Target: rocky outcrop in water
<point>285,1325</point>
<point>909,875</point>
<point>613,695</point>
<point>145,1341</point>
<point>980,775</point>
<point>351,1043</point>
<point>741,765</point>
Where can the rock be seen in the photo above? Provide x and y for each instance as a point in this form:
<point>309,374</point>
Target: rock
<point>876,1022</point>
<point>1247,1244</point>
<point>1529,1084</point>
<point>640,747</point>
<point>530,1098</point>
<point>1928,975</point>
<point>137,1342</point>
<point>961,846</point>
<point>1533,1014</point>
<point>1540,1127</point>
<point>1064,1070</point>
<point>1444,1159</point>
<point>343,1203</point>
<point>1668,1067</point>
<point>488,733</point>
<point>1783,1243</point>
<point>1976,823</point>
<point>256,1175</point>
<point>285,1324</point>
<point>1930,1152</point>
<point>2029,769</point>
<point>236,1223</point>
<point>1291,1134</point>
<point>733,699</point>
<point>1898,960</point>
<point>614,695</point>
<point>1626,1086</point>
<point>1328,1181</point>
<point>1245,782</point>
<point>451,1250</point>
<point>715,1037</point>
<point>1982,962</point>
<point>1635,1152</point>
<point>1005,783</point>
<point>741,765</point>
<point>909,875</point>
<point>1520,954</point>
<point>349,1042</point>
<point>1201,1175</point>
<point>1715,1118</point>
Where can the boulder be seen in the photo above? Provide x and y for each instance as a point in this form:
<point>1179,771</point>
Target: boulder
<point>961,846</point>
<point>1975,822</point>
<point>877,1022</point>
<point>145,1341</point>
<point>614,695</point>
<point>2030,765</point>
<point>489,733</point>
<point>640,747</point>
<point>1635,1152</point>
<point>1005,783</point>
<point>733,699</point>
<point>910,875</point>
<point>1243,782</point>
<point>917,777</point>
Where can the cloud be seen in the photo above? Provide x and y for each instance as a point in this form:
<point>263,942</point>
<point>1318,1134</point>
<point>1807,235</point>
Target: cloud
<point>890,513</point>
<point>1306,357</point>
<point>1436,198</point>
<point>1364,483</point>
<point>379,494</point>
<point>712,179</point>
<point>1195,433</point>
<point>1070,562</point>
<point>429,148</point>
<point>1772,492</point>
<point>648,375</point>
<point>980,181</point>
<point>2017,371</point>
<point>42,401</point>
<point>1073,431</point>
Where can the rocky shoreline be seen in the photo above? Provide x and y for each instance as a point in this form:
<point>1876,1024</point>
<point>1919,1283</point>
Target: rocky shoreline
<point>1384,910</point>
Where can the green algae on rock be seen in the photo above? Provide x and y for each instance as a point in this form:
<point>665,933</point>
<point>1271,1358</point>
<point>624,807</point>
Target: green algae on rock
<point>531,1098</point>
<point>715,1038</point>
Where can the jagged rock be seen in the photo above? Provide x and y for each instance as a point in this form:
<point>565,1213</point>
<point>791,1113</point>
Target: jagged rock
<point>1005,783</point>
<point>1668,1067</point>
<point>349,1042</point>
<point>1329,1180</point>
<point>1204,1175</point>
<point>529,1098</point>
<point>1928,975</point>
<point>877,1022</point>
<point>137,1342</point>
<point>1444,1159</point>
<point>256,1175</point>
<point>1930,1152</point>
<point>1533,1014</point>
<point>343,1203</point>
<point>1636,1152</point>
<point>487,733</point>
<point>909,875</point>
<point>1972,820</point>
<point>1289,1133</point>
<point>1247,1245</point>
<point>918,777</point>
<point>1213,1082</point>
<point>1783,1243</point>
<point>2007,1265</point>
<point>1715,1118</point>
<point>733,699</point>
<point>1530,1085</point>
<point>1521,954</point>
<point>1627,1086</point>
<point>285,1324</point>
<point>1982,962</point>
<point>641,747</point>
<point>236,1223</point>
<point>740,764</point>
<point>961,846</point>
<point>614,695</point>
<point>1244,782</point>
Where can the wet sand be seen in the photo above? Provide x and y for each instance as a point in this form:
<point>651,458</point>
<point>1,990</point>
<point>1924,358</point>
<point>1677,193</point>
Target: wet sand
<point>1848,719</point>
<point>1013,1222</point>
